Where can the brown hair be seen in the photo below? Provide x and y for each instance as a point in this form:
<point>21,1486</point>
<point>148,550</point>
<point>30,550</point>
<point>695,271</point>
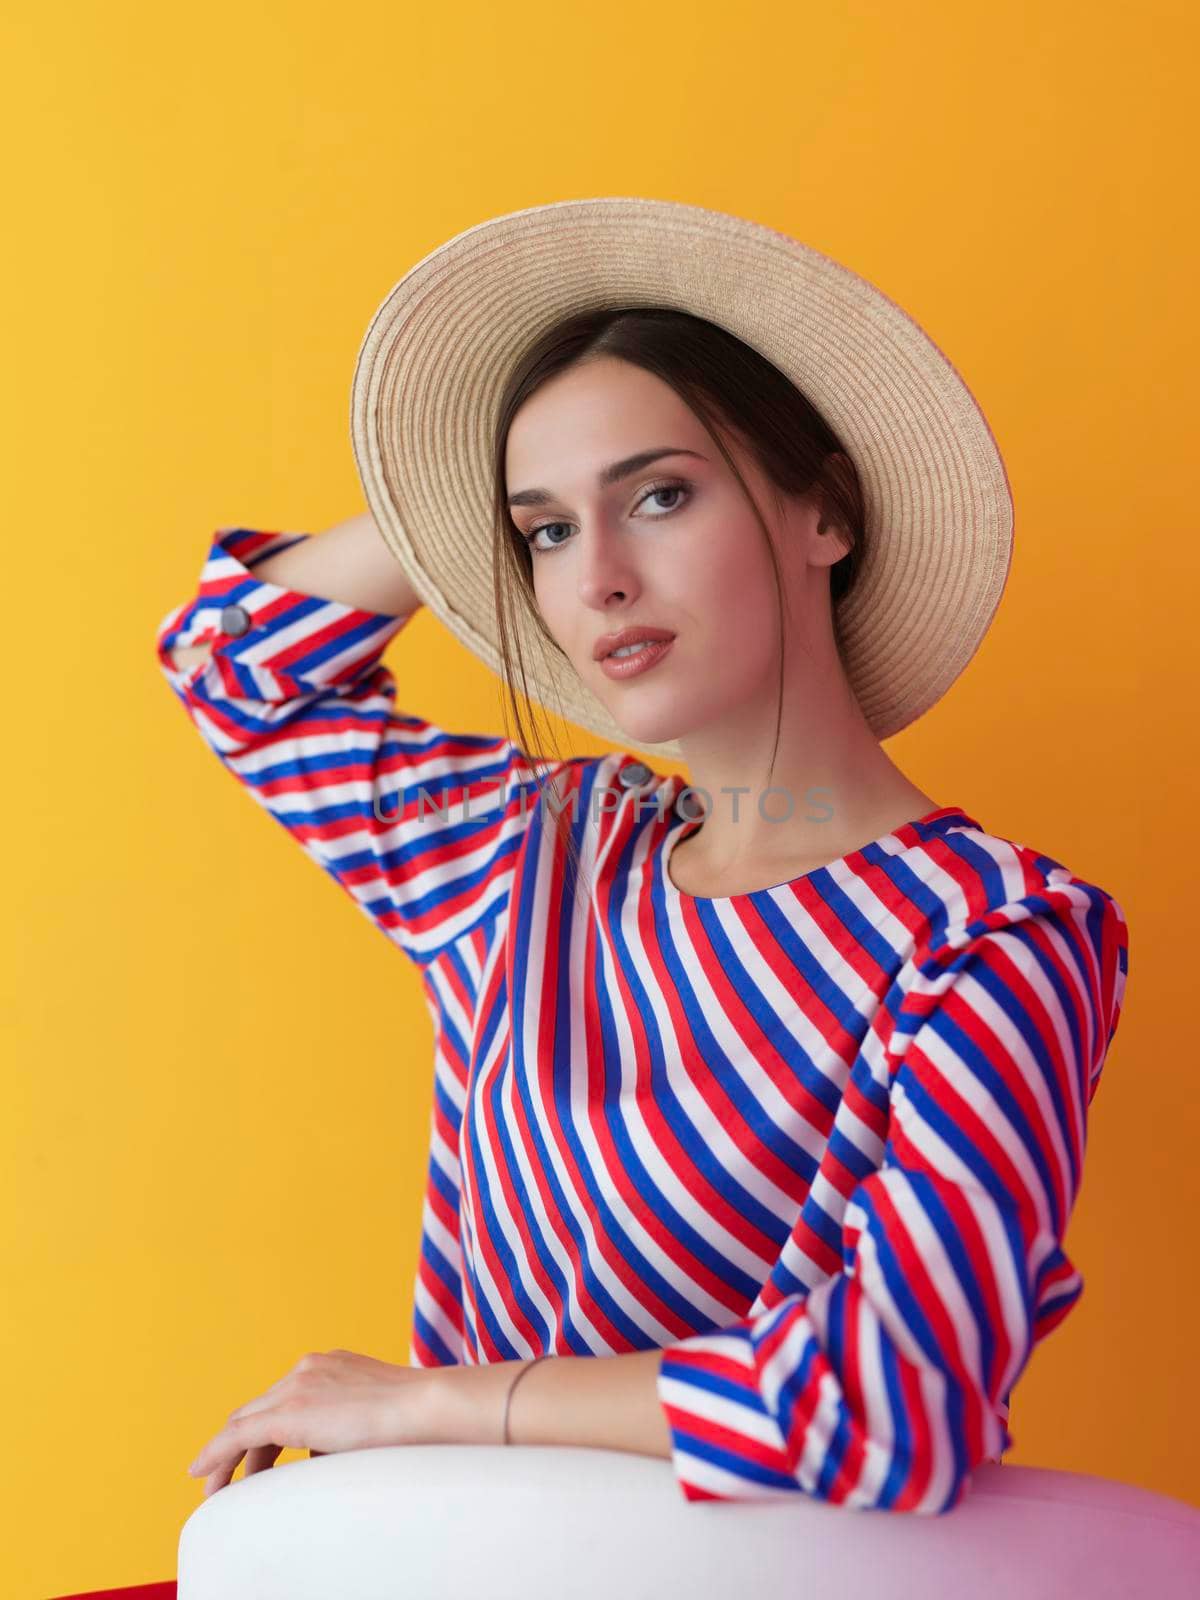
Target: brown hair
<point>726,383</point>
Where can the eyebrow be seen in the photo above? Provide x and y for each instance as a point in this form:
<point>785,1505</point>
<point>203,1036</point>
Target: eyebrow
<point>607,476</point>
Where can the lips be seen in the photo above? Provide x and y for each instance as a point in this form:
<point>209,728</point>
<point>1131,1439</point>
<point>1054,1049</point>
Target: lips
<point>642,659</point>
<point>609,642</point>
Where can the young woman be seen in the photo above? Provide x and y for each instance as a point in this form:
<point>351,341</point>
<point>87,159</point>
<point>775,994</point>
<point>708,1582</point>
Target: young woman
<point>775,1100</point>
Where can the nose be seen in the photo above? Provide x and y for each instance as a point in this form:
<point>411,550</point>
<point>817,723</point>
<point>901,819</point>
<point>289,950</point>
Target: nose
<point>606,568</point>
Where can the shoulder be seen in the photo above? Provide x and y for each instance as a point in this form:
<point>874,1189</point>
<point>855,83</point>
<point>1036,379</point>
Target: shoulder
<point>983,880</point>
<point>1024,919</point>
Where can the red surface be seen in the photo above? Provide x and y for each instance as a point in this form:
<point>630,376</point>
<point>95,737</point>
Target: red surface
<point>144,1591</point>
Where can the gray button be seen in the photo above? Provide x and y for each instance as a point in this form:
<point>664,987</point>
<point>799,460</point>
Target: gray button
<point>637,772</point>
<point>235,620</point>
<point>688,806</point>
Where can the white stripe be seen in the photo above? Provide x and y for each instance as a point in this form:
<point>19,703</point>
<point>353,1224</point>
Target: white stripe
<point>722,1412</point>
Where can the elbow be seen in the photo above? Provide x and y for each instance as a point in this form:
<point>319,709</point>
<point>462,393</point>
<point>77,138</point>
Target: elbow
<point>175,658</point>
<point>940,1430</point>
<point>186,657</point>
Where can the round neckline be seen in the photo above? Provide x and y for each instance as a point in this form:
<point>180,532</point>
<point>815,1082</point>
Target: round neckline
<point>677,832</point>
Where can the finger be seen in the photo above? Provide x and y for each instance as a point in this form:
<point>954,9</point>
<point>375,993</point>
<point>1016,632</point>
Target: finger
<point>223,1440</point>
<point>281,1429</point>
<point>221,1475</point>
<point>226,1449</point>
<point>261,1402</point>
<point>257,1459</point>
<point>260,1458</point>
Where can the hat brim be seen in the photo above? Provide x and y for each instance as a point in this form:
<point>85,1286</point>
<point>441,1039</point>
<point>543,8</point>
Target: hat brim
<point>433,361</point>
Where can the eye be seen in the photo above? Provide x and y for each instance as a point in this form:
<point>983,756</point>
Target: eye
<point>672,486</point>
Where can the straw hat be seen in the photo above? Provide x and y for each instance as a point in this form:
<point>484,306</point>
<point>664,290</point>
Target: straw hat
<point>439,349</point>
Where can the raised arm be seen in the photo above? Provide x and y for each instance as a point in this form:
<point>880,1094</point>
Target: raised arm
<point>276,659</point>
<point>349,563</point>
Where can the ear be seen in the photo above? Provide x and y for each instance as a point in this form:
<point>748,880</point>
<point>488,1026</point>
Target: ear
<point>835,539</point>
<point>839,467</point>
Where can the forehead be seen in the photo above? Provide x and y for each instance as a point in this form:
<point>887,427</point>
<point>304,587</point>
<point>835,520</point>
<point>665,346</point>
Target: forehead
<point>581,419</point>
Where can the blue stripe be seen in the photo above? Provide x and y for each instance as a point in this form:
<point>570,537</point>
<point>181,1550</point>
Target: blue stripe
<point>739,1466</point>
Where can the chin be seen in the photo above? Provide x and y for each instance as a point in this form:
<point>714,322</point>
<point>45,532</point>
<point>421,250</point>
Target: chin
<point>648,725</point>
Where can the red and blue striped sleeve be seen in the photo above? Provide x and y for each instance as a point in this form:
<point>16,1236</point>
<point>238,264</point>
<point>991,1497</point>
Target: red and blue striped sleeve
<point>420,826</point>
<point>886,1384</point>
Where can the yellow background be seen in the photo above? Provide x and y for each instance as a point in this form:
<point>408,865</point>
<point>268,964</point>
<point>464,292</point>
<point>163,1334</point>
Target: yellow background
<point>217,1073</point>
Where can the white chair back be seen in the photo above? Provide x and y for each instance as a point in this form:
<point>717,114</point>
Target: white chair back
<point>425,1521</point>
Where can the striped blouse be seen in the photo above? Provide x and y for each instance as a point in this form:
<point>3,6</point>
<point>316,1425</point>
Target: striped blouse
<point>819,1142</point>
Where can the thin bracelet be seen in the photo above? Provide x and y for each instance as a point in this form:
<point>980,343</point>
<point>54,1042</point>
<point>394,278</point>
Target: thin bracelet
<point>513,1385</point>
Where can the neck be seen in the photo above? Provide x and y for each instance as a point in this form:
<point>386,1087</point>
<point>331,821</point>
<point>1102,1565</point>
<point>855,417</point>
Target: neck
<point>831,788</point>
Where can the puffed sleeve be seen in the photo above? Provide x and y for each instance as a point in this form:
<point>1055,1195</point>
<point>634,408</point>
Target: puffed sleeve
<point>420,826</point>
<point>886,1384</point>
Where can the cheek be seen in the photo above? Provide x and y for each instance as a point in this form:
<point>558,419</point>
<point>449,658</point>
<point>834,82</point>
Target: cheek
<point>557,605</point>
<point>730,576</point>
